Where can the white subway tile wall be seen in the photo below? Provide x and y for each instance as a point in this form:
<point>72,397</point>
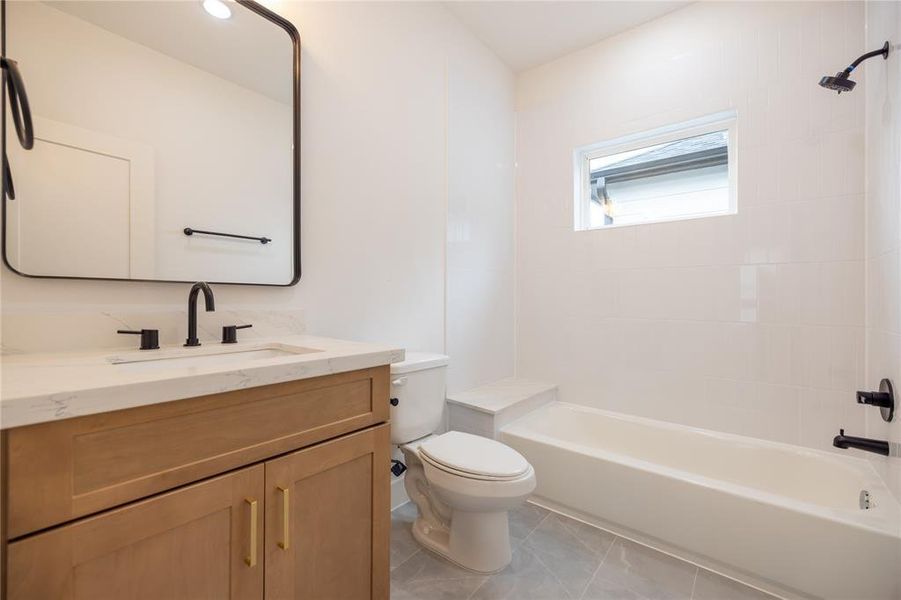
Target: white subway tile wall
<point>479,291</point>
<point>752,323</point>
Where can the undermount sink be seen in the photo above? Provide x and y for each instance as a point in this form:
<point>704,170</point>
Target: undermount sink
<point>188,358</point>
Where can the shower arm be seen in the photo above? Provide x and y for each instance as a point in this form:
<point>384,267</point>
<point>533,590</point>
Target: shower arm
<point>881,52</point>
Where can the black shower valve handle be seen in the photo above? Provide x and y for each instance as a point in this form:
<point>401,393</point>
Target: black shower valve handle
<point>884,399</point>
<point>881,399</point>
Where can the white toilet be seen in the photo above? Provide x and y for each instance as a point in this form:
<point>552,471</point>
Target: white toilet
<point>462,484</point>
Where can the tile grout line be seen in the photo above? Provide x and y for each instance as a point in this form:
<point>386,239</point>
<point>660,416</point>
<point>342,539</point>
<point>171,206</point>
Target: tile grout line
<point>694,582</point>
<point>406,560</point>
<point>598,568</point>
<point>478,587</point>
<point>538,558</point>
<point>537,525</point>
<point>582,542</point>
<point>554,575</point>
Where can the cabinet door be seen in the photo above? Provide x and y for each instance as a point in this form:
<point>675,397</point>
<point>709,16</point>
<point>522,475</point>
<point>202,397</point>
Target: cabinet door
<point>203,541</point>
<point>327,520</point>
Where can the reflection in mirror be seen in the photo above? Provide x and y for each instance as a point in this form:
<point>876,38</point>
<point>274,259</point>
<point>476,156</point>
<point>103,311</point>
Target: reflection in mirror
<point>151,118</point>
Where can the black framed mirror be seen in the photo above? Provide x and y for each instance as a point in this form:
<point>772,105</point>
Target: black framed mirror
<point>166,142</point>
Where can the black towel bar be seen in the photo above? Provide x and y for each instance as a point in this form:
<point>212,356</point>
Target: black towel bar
<point>262,240</point>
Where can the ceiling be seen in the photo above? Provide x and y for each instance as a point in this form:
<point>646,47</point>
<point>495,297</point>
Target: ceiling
<point>245,49</point>
<point>525,34</point>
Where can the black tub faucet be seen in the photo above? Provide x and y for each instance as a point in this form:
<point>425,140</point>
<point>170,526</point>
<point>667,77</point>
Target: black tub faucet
<point>849,441</point>
<point>210,302</point>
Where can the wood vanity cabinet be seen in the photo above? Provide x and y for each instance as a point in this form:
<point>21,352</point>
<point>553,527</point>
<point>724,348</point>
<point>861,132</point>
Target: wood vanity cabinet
<point>187,544</point>
<point>297,508</point>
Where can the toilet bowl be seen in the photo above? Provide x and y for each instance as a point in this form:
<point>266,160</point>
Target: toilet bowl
<point>463,485</point>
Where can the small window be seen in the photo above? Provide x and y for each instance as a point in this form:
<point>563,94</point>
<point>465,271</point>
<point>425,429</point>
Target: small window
<point>684,171</point>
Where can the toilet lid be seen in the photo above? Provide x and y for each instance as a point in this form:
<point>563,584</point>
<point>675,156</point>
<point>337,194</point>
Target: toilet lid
<point>474,454</point>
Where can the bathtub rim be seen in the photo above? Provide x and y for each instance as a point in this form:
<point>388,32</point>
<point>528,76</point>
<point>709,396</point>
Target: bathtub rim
<point>887,512</point>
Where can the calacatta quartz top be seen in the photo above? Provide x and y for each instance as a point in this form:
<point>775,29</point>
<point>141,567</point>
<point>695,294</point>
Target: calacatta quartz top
<point>36,388</point>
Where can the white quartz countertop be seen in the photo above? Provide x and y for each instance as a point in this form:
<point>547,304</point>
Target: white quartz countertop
<point>36,388</point>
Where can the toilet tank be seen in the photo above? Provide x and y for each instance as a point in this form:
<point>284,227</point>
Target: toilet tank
<point>418,383</point>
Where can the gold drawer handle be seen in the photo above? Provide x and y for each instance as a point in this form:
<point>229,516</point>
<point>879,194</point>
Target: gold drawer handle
<point>286,523</point>
<point>252,559</point>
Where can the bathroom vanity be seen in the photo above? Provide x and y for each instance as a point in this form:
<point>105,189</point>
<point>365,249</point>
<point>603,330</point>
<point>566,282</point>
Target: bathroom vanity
<point>261,471</point>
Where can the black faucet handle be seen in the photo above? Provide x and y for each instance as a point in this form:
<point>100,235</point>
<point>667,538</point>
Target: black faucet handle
<point>884,399</point>
<point>230,333</point>
<point>150,338</point>
<point>874,398</point>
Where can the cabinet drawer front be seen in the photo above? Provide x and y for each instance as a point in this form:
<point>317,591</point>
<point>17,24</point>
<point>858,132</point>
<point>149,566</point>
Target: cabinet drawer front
<point>67,469</point>
<point>186,544</point>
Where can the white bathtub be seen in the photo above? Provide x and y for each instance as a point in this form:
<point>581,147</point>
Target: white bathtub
<point>783,517</point>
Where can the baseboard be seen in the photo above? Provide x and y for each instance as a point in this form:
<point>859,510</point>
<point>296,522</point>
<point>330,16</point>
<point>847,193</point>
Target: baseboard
<point>398,493</point>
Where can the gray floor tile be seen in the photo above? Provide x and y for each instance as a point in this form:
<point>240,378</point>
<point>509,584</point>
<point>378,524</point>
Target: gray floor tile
<point>406,512</point>
<point>602,589</point>
<point>524,520</point>
<point>426,566</point>
<point>571,554</point>
<point>525,578</point>
<point>448,589</point>
<point>403,546</point>
<point>636,569</point>
<point>711,586</point>
<point>596,540</point>
<point>554,558</point>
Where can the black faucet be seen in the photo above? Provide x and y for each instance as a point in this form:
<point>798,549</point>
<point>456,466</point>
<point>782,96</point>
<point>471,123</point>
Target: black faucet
<point>210,302</point>
<point>849,441</point>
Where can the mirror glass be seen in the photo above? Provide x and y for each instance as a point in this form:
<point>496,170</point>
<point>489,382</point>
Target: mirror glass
<point>153,122</point>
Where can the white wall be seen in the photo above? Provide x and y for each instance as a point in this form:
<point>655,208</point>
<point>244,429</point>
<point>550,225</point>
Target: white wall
<point>752,323</point>
<point>883,224</point>
<point>378,174</point>
<point>480,221</point>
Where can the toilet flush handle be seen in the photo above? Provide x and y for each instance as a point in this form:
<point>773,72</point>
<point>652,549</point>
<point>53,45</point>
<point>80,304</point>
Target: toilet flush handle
<point>400,381</point>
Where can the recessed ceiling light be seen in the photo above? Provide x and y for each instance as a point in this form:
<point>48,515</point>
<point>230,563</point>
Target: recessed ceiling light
<point>217,8</point>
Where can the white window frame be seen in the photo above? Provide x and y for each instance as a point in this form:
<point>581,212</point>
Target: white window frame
<point>582,157</point>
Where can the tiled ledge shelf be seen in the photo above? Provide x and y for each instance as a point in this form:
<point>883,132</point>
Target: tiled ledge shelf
<point>486,409</point>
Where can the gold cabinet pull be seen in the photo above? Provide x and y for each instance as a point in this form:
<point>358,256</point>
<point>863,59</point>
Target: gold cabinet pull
<point>252,559</point>
<point>286,518</point>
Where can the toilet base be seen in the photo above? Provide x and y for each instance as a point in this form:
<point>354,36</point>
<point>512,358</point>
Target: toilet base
<point>463,520</point>
<point>477,541</point>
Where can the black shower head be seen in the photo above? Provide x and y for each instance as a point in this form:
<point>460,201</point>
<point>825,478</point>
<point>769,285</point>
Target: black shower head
<point>840,82</point>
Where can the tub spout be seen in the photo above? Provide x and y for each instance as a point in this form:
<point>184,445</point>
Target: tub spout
<point>849,441</point>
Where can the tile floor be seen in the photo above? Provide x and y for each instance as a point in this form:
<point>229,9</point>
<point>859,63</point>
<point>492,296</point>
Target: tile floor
<point>555,558</point>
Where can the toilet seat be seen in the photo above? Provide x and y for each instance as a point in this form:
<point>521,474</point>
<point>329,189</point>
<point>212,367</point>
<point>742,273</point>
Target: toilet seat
<point>473,457</point>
